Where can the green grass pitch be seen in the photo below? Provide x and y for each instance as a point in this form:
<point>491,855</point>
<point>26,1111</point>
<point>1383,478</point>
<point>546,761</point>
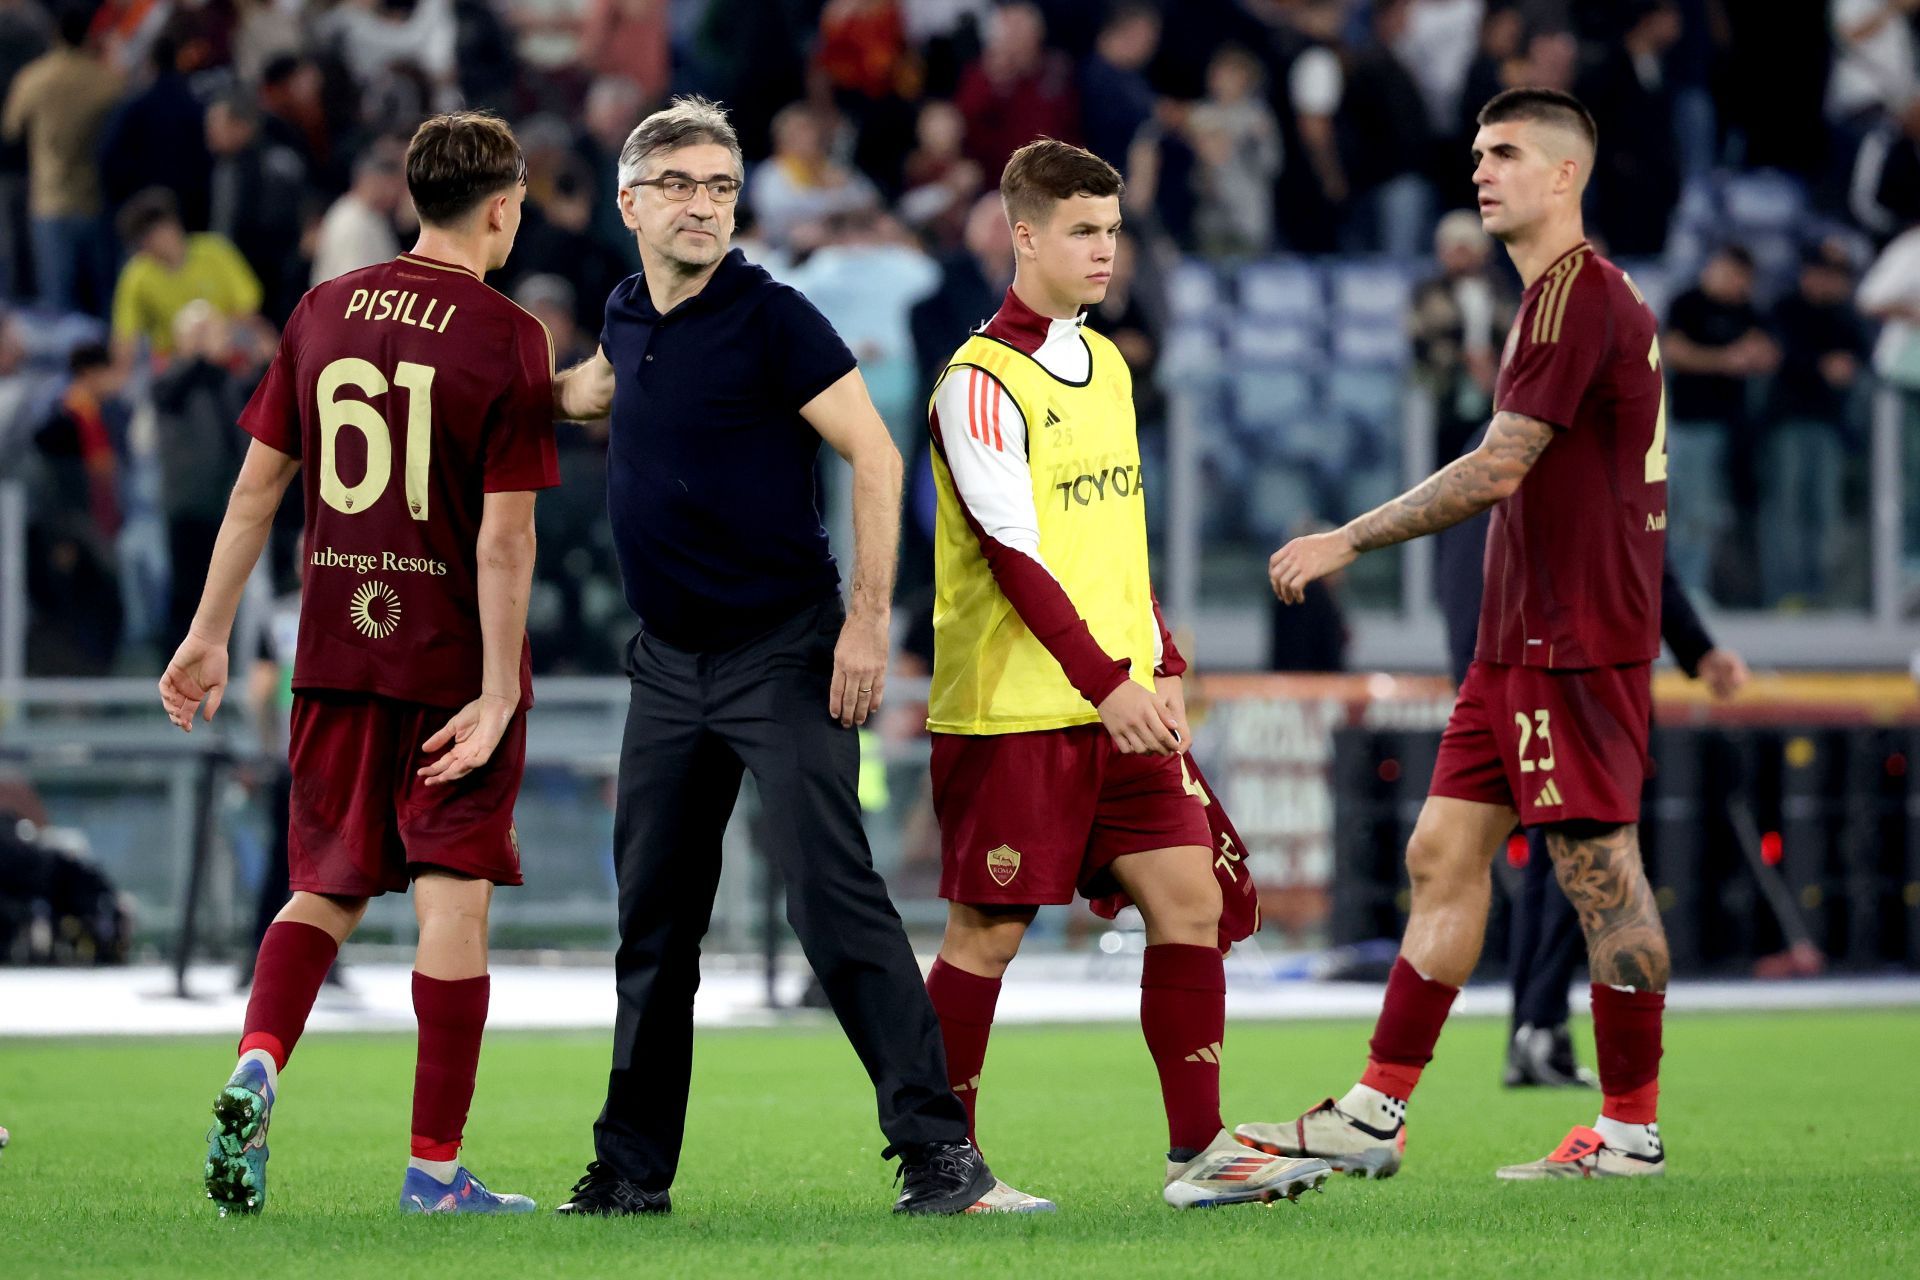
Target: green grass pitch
<point>1790,1136</point>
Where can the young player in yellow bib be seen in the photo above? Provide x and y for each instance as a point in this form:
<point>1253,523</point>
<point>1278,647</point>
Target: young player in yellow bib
<point>1058,719</point>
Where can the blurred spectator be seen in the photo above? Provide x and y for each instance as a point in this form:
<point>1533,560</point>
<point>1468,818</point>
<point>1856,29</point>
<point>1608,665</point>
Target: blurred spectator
<point>1385,137</point>
<point>866,280</point>
<point>487,65</point>
<point>24,36</point>
<point>1016,91</point>
<point>170,269</point>
<point>862,48</point>
<point>1496,65</point>
<point>1116,98</point>
<point>266,31</point>
<point>258,200</point>
<point>24,391</point>
<point>973,282</point>
<point>940,181</point>
<point>1884,187</point>
<point>358,230</point>
<point>1458,320</point>
<point>800,182</point>
<point>1236,143</point>
<point>1715,350</point>
<point>196,401</point>
<point>556,238</point>
<point>1315,84</point>
<point>374,38</point>
<point>155,138</point>
<point>294,116</point>
<point>75,624</point>
<point>58,103</point>
<point>1890,293</point>
<point>1438,45</point>
<point>1124,319</point>
<point>628,39</point>
<point>1636,176</point>
<point>1874,73</point>
<point>614,107</point>
<point>1823,352</point>
<point>554,301</point>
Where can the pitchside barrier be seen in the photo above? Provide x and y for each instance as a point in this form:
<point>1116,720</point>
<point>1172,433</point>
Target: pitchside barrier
<point>1788,816</point>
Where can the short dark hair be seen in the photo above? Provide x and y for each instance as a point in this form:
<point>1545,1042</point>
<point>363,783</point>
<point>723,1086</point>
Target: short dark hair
<point>1543,106</point>
<point>88,356</point>
<point>1046,171</point>
<point>458,161</point>
<point>145,211</point>
<point>1738,254</point>
<point>74,21</point>
<point>280,68</point>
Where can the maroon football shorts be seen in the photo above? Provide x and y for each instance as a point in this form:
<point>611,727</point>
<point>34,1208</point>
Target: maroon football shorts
<point>1028,818</point>
<point>361,817</point>
<point>1551,745</point>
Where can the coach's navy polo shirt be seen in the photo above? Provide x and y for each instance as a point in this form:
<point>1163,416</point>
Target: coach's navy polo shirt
<point>710,466</point>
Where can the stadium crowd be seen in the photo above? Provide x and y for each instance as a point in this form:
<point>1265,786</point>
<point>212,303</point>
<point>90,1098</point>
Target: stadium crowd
<point>174,174</point>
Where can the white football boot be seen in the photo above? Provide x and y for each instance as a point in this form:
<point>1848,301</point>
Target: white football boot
<point>1005,1199</point>
<point>1228,1173</point>
<point>1583,1153</point>
<point>1327,1133</point>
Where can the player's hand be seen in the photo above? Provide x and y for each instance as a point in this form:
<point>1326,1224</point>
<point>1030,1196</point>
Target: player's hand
<point>1306,560</point>
<point>1724,672</point>
<point>859,668</point>
<point>474,732</point>
<point>198,670</point>
<point>1173,700</point>
<point>1140,725</point>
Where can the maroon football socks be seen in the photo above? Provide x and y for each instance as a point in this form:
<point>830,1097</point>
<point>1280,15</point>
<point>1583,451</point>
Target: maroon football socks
<point>1626,1039</point>
<point>964,1004</point>
<point>452,1016</point>
<point>1410,1021</point>
<point>293,962</point>
<point>1183,1011</point>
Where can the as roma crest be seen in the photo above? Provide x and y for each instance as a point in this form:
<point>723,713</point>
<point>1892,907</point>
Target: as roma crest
<point>1003,864</point>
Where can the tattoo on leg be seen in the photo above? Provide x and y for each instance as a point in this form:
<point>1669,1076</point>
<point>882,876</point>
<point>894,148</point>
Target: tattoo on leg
<point>1603,878</point>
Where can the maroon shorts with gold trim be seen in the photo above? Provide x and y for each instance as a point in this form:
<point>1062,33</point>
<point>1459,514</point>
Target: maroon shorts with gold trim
<point>360,815</point>
<point>1028,818</point>
<point>1551,745</point>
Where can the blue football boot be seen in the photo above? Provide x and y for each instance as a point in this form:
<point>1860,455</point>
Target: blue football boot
<point>424,1193</point>
<point>236,1168</point>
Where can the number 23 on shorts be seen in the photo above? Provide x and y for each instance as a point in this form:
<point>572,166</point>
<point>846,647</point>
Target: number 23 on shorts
<point>1536,737</point>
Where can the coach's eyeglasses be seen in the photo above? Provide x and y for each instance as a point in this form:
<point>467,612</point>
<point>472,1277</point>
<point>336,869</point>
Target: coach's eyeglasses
<point>680,190</point>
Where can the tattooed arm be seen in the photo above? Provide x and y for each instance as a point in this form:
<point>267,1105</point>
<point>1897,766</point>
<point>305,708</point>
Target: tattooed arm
<point>1458,491</point>
<point>1603,878</point>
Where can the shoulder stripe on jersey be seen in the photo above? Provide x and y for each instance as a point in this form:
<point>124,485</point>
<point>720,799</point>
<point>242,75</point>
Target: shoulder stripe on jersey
<point>1550,308</point>
<point>973,403</point>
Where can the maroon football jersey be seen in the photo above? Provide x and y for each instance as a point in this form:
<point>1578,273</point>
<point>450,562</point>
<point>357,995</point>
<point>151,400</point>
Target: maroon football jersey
<point>1574,556</point>
<point>408,390</point>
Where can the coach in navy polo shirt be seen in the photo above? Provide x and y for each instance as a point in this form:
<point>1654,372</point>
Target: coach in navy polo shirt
<point>721,385</point>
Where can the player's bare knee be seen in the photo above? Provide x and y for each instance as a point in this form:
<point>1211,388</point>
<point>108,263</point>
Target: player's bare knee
<point>336,914</point>
<point>984,940</point>
<point>444,898</point>
<point>1184,909</point>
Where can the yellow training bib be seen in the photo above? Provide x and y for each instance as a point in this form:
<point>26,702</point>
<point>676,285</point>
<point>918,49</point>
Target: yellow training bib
<point>990,675</point>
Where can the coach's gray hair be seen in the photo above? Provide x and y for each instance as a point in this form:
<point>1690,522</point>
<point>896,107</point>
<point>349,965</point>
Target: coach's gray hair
<point>687,121</point>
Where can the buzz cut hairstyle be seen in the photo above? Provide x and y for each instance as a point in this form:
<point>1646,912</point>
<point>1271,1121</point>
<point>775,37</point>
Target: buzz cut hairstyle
<point>687,121</point>
<point>1047,171</point>
<point>458,161</point>
<point>1542,106</point>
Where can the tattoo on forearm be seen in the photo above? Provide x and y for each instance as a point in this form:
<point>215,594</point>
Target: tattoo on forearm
<point>1460,490</point>
<point>1603,878</point>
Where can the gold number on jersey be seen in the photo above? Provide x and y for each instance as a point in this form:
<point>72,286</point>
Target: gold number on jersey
<point>1192,787</point>
<point>1657,454</point>
<point>335,413</point>
<point>1539,725</point>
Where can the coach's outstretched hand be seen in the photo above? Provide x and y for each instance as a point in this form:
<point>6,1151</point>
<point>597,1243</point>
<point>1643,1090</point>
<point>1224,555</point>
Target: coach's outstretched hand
<point>474,731</point>
<point>198,670</point>
<point>1139,722</point>
<point>859,669</point>
<point>1306,560</point>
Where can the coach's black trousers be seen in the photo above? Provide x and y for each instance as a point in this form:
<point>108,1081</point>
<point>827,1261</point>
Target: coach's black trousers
<point>694,722</point>
<point>1545,942</point>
